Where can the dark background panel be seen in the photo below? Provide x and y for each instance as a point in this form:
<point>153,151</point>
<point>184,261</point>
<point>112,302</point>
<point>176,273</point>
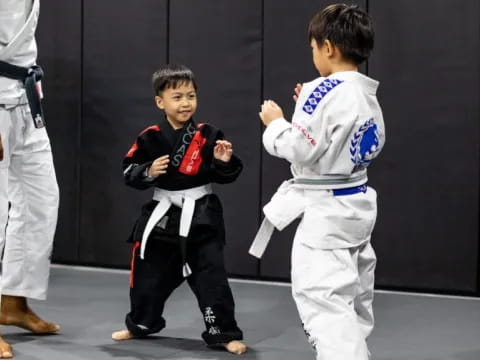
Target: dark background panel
<point>99,56</point>
<point>427,60</point>
<point>287,61</point>
<point>123,44</point>
<point>221,42</point>
<point>59,44</point>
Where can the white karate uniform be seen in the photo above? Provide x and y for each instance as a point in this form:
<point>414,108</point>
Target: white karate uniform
<point>336,130</point>
<point>27,175</point>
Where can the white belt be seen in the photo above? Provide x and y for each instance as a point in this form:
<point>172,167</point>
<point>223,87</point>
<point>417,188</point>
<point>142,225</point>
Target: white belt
<point>184,199</point>
<point>287,204</point>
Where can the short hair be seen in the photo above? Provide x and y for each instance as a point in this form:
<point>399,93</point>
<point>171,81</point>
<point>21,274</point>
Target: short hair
<point>347,27</point>
<point>172,76</point>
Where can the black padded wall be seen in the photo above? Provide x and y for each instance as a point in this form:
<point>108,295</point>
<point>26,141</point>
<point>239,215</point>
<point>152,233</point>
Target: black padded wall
<point>221,41</point>
<point>427,59</point>
<point>99,56</point>
<point>123,44</point>
<point>59,35</point>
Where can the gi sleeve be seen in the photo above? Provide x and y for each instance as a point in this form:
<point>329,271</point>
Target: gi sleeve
<point>309,136</point>
<point>136,165</point>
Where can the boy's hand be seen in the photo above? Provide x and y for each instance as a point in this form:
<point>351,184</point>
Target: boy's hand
<point>223,150</point>
<point>297,90</point>
<point>159,166</point>
<point>270,111</point>
<point>1,148</point>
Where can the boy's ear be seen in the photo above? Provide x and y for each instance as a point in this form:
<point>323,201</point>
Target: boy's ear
<point>329,47</point>
<point>159,102</point>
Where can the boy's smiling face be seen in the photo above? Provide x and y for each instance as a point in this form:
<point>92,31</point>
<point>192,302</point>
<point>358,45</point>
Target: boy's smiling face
<point>179,104</point>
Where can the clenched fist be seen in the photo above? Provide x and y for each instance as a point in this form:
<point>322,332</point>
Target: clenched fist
<point>270,111</point>
<point>159,166</point>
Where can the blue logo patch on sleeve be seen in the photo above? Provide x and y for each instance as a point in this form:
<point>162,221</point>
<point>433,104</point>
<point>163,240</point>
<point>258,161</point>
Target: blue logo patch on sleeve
<point>319,93</point>
<point>365,145</point>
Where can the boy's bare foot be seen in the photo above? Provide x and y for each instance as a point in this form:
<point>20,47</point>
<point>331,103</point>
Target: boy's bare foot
<point>122,335</point>
<point>236,347</point>
<point>5,350</point>
<point>15,311</point>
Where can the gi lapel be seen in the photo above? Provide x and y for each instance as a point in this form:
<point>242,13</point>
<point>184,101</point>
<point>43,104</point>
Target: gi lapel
<point>187,152</point>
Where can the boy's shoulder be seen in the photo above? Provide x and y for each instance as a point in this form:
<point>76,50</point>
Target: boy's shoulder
<point>319,90</point>
<point>150,129</point>
<point>208,129</point>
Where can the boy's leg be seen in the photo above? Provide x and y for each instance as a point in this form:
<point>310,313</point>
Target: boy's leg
<point>210,284</point>
<point>324,286</point>
<point>366,261</point>
<point>152,280</point>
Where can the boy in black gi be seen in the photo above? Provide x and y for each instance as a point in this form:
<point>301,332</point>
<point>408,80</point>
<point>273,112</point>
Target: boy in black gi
<point>183,224</point>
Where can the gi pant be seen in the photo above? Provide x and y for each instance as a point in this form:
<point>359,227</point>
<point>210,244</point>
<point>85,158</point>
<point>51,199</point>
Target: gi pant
<point>154,279</point>
<point>333,286</point>
<point>28,183</point>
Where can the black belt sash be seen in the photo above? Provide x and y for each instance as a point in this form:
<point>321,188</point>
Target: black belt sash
<point>29,77</point>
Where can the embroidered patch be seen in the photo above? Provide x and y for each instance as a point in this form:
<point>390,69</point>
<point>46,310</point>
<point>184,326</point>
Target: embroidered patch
<point>364,145</point>
<point>209,315</point>
<point>319,93</point>
<point>214,330</point>
<point>305,133</point>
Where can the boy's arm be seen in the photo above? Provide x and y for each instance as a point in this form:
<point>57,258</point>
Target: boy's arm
<point>226,172</point>
<point>299,142</point>
<point>307,137</point>
<point>136,165</point>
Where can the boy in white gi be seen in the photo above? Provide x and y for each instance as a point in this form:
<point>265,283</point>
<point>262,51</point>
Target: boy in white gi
<point>336,131</point>
<point>27,175</point>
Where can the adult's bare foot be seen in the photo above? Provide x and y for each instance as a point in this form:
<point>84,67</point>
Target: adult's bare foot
<point>122,335</point>
<point>5,350</point>
<point>15,311</point>
<point>236,347</point>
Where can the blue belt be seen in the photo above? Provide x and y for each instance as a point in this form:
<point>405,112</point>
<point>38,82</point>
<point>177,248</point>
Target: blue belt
<point>351,190</point>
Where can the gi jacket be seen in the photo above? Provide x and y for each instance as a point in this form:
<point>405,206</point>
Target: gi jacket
<point>191,165</point>
<point>18,22</point>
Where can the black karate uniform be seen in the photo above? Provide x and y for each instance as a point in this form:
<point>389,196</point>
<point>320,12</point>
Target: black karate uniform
<point>155,277</point>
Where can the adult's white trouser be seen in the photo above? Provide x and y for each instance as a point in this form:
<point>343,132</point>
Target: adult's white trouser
<point>28,183</point>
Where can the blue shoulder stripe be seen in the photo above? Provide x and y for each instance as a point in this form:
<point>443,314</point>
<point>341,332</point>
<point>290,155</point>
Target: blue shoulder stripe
<point>319,93</point>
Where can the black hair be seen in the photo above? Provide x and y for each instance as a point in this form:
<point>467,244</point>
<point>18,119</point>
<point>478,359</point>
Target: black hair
<point>347,27</point>
<point>172,76</point>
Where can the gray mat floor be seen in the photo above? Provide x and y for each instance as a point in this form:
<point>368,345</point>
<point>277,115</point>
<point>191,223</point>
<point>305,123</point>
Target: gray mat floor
<point>89,304</point>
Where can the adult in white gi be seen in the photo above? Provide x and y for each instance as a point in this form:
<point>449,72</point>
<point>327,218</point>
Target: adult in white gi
<point>28,188</point>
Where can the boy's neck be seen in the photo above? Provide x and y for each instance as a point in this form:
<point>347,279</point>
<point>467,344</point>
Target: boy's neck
<point>343,66</point>
<point>175,125</point>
